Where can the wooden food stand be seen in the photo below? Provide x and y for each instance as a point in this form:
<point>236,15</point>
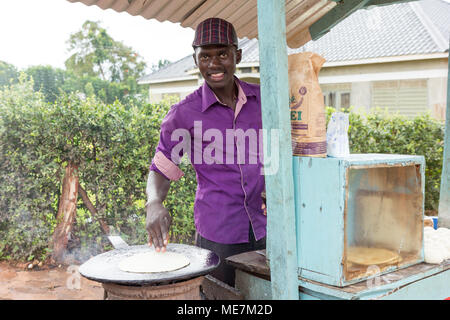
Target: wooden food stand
<point>277,24</point>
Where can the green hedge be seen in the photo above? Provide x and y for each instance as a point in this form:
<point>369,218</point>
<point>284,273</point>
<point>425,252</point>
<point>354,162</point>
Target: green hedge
<point>112,144</point>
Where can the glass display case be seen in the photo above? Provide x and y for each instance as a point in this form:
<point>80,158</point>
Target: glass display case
<point>358,216</point>
<point>383,219</point>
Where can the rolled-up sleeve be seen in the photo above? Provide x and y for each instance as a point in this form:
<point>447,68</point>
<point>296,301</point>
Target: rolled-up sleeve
<point>162,162</point>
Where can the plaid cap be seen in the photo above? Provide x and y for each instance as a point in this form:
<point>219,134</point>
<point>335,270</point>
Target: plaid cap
<point>215,31</point>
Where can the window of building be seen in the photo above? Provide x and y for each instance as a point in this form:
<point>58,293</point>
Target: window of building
<point>406,97</point>
<point>345,100</point>
<point>337,99</point>
<point>245,70</point>
<point>332,99</point>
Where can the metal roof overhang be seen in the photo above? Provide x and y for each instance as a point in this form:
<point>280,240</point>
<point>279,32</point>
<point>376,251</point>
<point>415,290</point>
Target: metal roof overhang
<point>302,16</point>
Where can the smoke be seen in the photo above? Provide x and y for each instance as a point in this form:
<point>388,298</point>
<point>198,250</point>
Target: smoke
<point>79,250</point>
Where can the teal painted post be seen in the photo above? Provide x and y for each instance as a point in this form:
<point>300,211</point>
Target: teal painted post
<point>281,239</point>
<point>444,198</point>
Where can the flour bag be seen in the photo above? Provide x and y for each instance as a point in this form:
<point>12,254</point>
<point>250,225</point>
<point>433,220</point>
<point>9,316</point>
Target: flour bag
<point>337,135</point>
<point>308,121</point>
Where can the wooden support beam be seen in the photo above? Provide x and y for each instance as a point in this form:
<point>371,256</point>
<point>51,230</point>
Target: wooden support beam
<point>281,235</point>
<point>296,39</point>
<point>342,10</point>
<point>444,197</point>
<point>307,11</point>
<point>245,14</point>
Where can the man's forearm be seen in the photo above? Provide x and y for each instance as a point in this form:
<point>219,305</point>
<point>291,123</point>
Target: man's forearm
<point>158,219</point>
<point>157,187</point>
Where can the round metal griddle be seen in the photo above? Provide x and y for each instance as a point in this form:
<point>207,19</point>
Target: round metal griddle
<point>104,267</point>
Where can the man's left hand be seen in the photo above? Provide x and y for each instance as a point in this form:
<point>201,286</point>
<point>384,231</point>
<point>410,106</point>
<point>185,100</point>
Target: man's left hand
<point>263,206</point>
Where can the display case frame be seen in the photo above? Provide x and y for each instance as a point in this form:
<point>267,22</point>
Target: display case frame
<point>321,201</point>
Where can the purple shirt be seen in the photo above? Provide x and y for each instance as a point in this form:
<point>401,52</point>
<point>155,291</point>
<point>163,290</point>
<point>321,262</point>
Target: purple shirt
<point>229,185</point>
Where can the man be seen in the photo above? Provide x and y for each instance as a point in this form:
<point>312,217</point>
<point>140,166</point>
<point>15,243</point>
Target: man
<point>214,122</point>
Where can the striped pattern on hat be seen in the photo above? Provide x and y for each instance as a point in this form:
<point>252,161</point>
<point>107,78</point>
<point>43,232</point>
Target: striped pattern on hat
<point>214,31</point>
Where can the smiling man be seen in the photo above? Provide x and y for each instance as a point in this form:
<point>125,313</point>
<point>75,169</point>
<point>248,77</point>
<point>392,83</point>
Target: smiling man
<point>228,209</point>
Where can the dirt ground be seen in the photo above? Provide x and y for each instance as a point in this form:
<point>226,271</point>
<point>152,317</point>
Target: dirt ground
<point>46,283</point>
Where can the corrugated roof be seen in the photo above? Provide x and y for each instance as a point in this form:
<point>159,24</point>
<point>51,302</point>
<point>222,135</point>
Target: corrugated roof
<point>439,12</point>
<point>395,30</point>
<point>300,14</point>
<point>177,70</point>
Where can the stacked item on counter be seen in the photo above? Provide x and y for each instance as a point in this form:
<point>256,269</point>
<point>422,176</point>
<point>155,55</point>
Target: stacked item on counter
<point>337,135</point>
<point>436,244</point>
<point>308,118</point>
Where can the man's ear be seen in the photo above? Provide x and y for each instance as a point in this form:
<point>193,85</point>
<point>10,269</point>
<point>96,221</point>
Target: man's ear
<point>194,55</point>
<point>238,55</point>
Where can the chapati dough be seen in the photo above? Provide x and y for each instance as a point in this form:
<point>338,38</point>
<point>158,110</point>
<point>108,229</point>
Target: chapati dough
<point>152,261</point>
<point>371,256</point>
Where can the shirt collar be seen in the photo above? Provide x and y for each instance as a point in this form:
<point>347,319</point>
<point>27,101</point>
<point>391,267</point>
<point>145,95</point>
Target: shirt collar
<point>209,98</point>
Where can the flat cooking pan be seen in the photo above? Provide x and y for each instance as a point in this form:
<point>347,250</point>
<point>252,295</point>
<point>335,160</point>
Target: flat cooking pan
<point>104,267</point>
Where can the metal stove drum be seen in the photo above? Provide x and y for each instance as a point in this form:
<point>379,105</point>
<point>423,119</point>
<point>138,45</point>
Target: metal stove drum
<point>182,284</point>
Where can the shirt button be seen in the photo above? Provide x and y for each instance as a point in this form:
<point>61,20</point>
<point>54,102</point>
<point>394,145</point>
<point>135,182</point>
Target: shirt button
<point>245,184</point>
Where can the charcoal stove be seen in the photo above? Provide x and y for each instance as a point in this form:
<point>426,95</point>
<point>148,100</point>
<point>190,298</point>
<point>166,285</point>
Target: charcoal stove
<point>183,284</point>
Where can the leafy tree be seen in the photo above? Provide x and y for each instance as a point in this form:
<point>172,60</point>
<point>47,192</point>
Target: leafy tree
<point>8,73</point>
<point>48,80</point>
<point>161,64</point>
<point>99,66</point>
<point>96,53</point>
<point>53,82</point>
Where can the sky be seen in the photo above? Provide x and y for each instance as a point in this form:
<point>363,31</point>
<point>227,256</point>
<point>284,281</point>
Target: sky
<point>34,32</point>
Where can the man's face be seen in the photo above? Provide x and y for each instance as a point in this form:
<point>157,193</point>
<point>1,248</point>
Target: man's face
<point>217,64</point>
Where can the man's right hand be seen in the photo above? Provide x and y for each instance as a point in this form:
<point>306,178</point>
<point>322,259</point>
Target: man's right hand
<point>158,223</point>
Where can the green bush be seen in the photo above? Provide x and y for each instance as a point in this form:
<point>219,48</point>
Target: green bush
<point>381,132</point>
<point>111,144</point>
<point>29,178</point>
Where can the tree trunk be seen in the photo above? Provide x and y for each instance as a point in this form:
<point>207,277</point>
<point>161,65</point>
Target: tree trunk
<point>66,213</point>
<point>92,209</point>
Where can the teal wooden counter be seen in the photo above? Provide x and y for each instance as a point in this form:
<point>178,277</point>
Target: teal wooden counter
<point>419,282</point>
